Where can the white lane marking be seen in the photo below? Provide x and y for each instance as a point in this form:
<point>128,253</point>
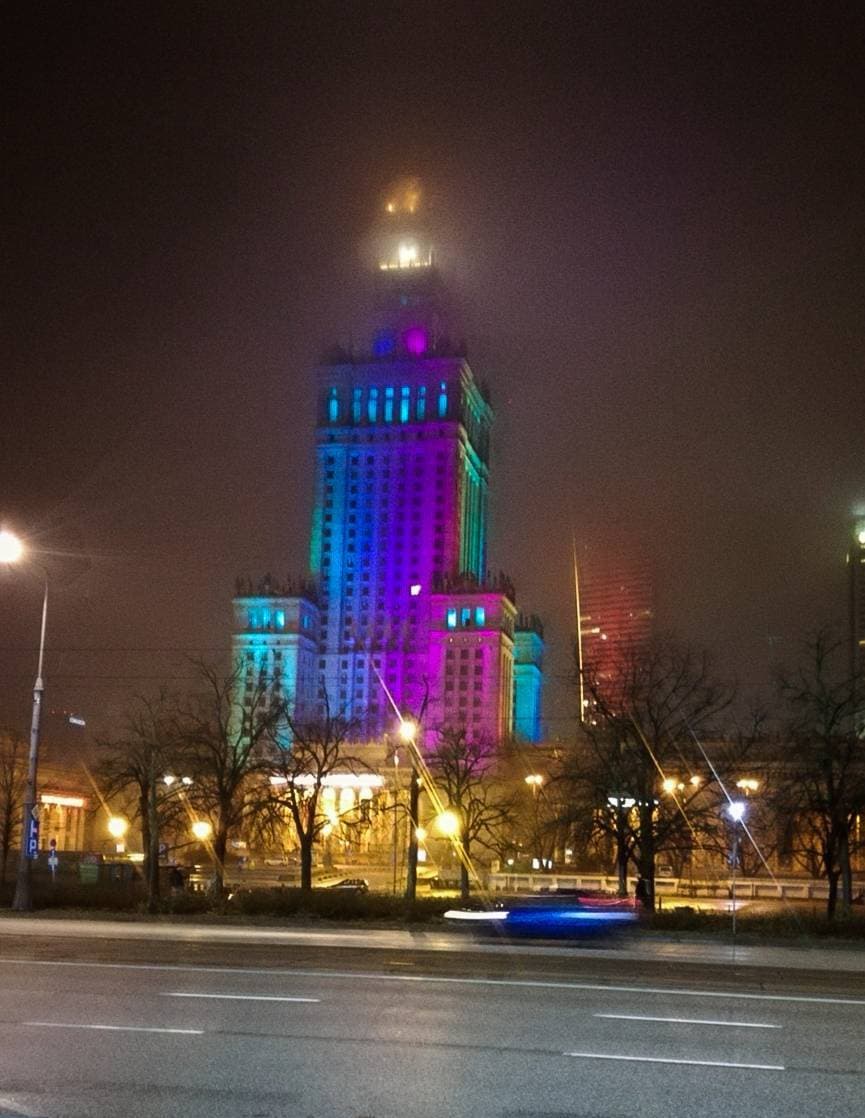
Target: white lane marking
<point>273,972</point>
<point>671,1060</point>
<point>111,1028</point>
<point>687,1021</point>
<point>238,997</point>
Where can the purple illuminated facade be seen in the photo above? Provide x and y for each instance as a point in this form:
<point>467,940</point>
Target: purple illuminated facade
<point>406,608</point>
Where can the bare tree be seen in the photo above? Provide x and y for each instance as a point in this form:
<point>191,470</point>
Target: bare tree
<point>224,731</point>
<point>824,789</point>
<point>638,733</point>
<point>299,770</point>
<point>135,765</point>
<point>463,771</point>
<point>13,778</point>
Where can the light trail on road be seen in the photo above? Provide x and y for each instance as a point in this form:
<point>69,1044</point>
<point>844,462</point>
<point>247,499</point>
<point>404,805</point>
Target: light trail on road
<point>686,1021</point>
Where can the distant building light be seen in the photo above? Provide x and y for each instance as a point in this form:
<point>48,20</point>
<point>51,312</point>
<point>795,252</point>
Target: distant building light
<point>406,254</point>
<point>332,780</point>
<point>76,720</point>
<point>415,589</point>
<point>62,801</point>
<point>748,784</point>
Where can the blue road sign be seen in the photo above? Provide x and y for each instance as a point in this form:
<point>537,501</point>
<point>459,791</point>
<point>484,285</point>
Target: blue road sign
<point>33,838</point>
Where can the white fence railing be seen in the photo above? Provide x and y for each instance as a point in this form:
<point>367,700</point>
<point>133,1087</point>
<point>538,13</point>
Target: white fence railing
<point>746,887</point>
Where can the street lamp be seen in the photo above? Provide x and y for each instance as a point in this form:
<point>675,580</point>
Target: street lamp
<point>11,551</point>
<point>117,828</point>
<point>736,811</point>
<point>201,830</point>
<point>447,823</point>
<point>409,732</point>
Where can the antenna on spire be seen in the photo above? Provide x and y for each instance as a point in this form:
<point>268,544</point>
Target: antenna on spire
<point>582,681</point>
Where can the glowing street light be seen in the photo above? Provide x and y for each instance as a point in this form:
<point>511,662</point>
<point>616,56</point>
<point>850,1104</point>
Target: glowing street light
<point>535,780</point>
<point>447,823</point>
<point>736,811</point>
<point>407,730</point>
<point>748,784</point>
<point>201,830</point>
<point>117,828</point>
<point>11,547</point>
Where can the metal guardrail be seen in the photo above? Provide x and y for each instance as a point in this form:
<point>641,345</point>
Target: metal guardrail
<point>754,888</point>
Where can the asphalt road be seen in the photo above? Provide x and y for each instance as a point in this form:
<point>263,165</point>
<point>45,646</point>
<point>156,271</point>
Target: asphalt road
<point>348,1032</point>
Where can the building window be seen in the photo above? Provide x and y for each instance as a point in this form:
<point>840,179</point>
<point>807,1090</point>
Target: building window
<point>405,404</point>
<point>388,404</point>
<point>420,404</point>
<point>452,617</point>
<point>333,406</point>
<point>466,615</point>
<point>253,619</point>
<point>443,400</point>
<point>480,616</point>
<point>280,619</point>
<point>356,405</point>
<point>372,406</point>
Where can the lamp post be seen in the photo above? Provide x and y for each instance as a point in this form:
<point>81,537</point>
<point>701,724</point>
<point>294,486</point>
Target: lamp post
<point>736,810</point>
<point>408,731</point>
<point>396,806</point>
<point>11,551</point>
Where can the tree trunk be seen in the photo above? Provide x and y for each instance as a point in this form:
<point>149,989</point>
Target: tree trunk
<point>413,822</point>
<point>150,824</point>
<point>846,871</point>
<point>621,852</point>
<point>306,844</point>
<point>465,884</point>
<point>647,853</point>
<point>832,902</point>
<point>220,845</point>
<point>831,870</point>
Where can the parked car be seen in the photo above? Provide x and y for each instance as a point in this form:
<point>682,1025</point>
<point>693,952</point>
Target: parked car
<point>351,884</point>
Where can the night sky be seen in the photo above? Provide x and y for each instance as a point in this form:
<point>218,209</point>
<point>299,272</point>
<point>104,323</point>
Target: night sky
<point>652,213</point>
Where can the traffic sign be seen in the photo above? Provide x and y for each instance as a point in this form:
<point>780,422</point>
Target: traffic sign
<point>33,837</point>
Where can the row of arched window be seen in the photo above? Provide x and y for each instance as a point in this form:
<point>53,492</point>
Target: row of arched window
<point>388,404</point>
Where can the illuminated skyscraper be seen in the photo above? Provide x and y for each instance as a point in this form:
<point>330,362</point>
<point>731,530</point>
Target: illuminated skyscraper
<point>409,615</point>
<point>616,616</point>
